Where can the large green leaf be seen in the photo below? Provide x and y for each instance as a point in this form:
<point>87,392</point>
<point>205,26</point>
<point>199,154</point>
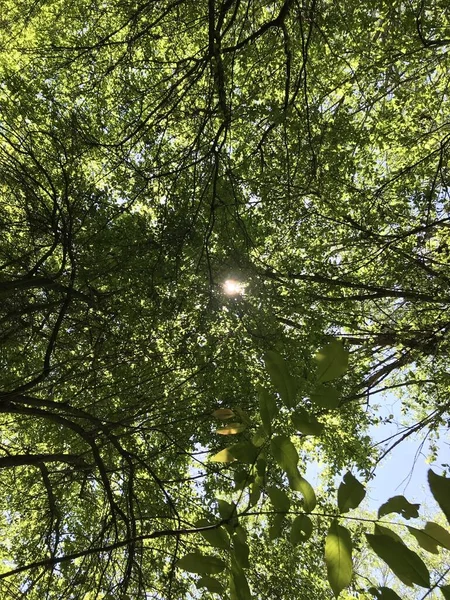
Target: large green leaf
<point>405,563</point>
<point>424,540</point>
<point>400,505</point>
<point>438,533</point>
<point>228,512</point>
<point>267,409</point>
<point>381,530</point>
<point>195,562</point>
<point>332,361</point>
<point>279,499</point>
<point>445,589</point>
<point>338,557</point>
<point>350,493</point>
<point>440,488</point>
<point>325,397</point>
<point>281,379</point>
<point>215,537</point>
<point>306,423</point>
<point>239,588</point>
<point>432,536</point>
<point>300,484</point>
<point>384,593</point>
<point>276,527</point>
<point>211,584</point>
<point>301,529</point>
<point>245,452</point>
<point>241,552</point>
<point>285,453</point>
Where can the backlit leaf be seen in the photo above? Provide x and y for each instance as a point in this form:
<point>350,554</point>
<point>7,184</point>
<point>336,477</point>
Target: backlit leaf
<point>332,361</point>
<point>338,557</point>
<point>224,456</point>
<point>381,530</point>
<point>223,414</point>
<point>405,563</point>
<point>211,584</point>
<point>301,529</point>
<point>440,488</point>
<point>228,512</point>
<point>231,429</point>
<point>241,552</point>
<point>438,533</point>
<point>350,493</point>
<point>281,379</point>
<point>279,499</point>
<point>384,593</point>
<point>445,589</point>
<point>276,527</point>
<point>299,484</point>
<point>201,563</point>
<point>325,397</point>
<point>245,452</point>
<point>267,409</point>
<point>306,423</point>
<point>239,588</point>
<point>215,537</point>
<point>424,540</point>
<point>285,453</point>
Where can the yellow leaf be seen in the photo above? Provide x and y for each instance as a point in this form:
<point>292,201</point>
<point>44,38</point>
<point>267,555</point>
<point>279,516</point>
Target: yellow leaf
<point>223,456</point>
<point>223,413</point>
<point>231,429</point>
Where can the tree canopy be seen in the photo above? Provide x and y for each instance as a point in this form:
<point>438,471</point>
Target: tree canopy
<point>224,233</point>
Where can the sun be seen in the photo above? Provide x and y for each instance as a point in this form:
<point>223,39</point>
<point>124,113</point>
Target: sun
<point>233,287</point>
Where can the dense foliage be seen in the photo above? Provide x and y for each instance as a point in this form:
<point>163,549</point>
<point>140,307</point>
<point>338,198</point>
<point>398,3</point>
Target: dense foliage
<point>156,423</point>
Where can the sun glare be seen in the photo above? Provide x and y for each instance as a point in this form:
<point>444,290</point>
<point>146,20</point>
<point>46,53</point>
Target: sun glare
<point>233,287</point>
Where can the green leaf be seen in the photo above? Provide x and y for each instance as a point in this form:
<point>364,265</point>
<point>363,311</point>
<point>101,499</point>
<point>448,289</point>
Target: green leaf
<point>350,493</point>
<point>332,361</point>
<point>405,563</point>
<point>440,488</point>
<point>239,589</point>
<point>384,593</point>
<point>301,529</point>
<point>445,589</point>
<point>245,452</point>
<point>241,552</point>
<point>228,512</point>
<point>224,456</point>
<point>215,537</point>
<point>285,453</point>
<point>432,536</point>
<point>438,533</point>
<point>299,484</point>
<point>279,499</point>
<point>400,505</point>
<point>380,530</point>
<point>424,540</point>
<point>281,379</point>
<point>255,493</point>
<point>275,528</point>
<point>325,397</point>
<point>201,563</point>
<point>306,423</point>
<point>212,585</point>
<point>267,409</point>
<point>259,437</point>
<point>231,429</point>
<point>338,557</point>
